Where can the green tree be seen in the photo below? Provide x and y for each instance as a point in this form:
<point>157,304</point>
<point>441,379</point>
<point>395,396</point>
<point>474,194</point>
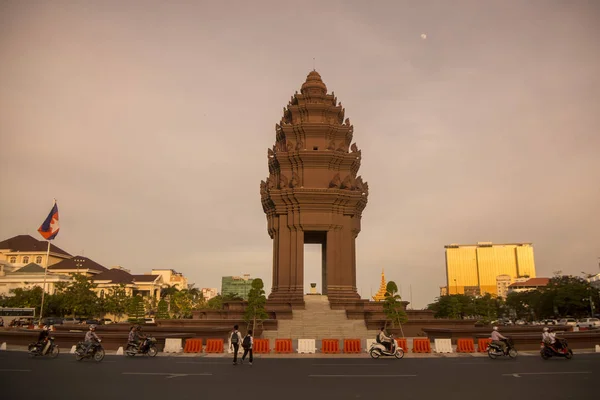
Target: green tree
<point>216,303</point>
<point>168,291</point>
<point>116,301</point>
<point>393,307</point>
<point>563,296</point>
<point>163,310</point>
<point>80,299</point>
<point>255,310</point>
<point>136,309</point>
<point>182,304</point>
<point>455,306</point>
<point>486,307</point>
<point>29,298</point>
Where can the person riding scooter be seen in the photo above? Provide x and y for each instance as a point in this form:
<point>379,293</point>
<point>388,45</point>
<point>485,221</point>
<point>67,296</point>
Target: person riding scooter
<point>90,338</point>
<point>385,340</point>
<point>499,339</point>
<point>42,338</point>
<point>140,337</point>
<point>549,338</point>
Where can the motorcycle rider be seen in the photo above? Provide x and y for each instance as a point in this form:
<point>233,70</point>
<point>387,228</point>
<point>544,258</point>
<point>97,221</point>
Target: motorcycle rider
<point>499,339</point>
<point>140,337</point>
<point>547,337</point>
<point>556,342</point>
<point>90,338</point>
<point>42,338</point>
<point>385,340</point>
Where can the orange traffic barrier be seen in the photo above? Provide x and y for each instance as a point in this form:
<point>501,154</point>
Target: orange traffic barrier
<point>193,346</point>
<point>261,346</point>
<point>482,344</point>
<point>330,346</point>
<point>465,346</point>
<point>283,346</point>
<point>352,346</point>
<point>214,346</point>
<point>421,346</point>
<point>402,343</point>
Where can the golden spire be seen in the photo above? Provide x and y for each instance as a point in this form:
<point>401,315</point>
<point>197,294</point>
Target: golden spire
<point>380,295</point>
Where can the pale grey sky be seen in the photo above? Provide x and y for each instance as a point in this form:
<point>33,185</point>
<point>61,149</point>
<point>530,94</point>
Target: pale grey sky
<point>149,122</point>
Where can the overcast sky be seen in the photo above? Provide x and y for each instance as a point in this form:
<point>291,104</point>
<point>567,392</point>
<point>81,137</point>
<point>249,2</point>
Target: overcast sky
<point>149,122</point>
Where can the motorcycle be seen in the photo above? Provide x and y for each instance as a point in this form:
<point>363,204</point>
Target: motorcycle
<point>548,350</point>
<point>48,349</point>
<point>96,351</point>
<point>148,348</point>
<point>378,349</point>
<point>494,350</point>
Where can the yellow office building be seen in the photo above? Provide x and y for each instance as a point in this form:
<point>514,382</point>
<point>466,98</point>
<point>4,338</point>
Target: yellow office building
<point>485,267</point>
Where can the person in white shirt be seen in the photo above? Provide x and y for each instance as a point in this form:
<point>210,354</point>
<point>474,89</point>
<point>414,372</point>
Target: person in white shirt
<point>385,340</point>
<point>499,339</point>
<point>234,342</point>
<point>548,337</point>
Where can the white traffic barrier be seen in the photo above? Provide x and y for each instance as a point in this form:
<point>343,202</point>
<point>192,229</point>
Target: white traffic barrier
<point>173,345</point>
<point>120,351</point>
<point>597,348</point>
<point>443,346</point>
<point>73,348</point>
<point>3,346</point>
<point>368,344</point>
<point>307,346</point>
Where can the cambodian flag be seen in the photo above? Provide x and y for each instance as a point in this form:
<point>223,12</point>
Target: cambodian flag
<point>50,228</point>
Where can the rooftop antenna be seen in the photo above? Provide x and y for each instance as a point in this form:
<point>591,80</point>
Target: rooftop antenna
<point>314,64</point>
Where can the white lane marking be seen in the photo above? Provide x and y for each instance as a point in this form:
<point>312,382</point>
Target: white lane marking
<point>471,363</point>
<point>359,376</point>
<point>518,374</point>
<point>203,362</point>
<point>15,370</point>
<point>167,375</point>
<point>343,365</point>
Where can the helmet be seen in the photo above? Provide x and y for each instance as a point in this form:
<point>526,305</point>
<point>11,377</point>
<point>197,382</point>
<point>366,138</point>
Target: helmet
<point>545,329</point>
<point>45,327</point>
<point>92,327</point>
<point>495,328</point>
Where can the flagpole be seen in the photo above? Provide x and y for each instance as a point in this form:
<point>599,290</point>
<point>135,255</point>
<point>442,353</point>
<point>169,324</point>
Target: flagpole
<point>44,286</point>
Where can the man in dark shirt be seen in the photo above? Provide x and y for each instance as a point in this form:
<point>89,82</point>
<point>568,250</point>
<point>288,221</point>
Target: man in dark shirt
<point>42,338</point>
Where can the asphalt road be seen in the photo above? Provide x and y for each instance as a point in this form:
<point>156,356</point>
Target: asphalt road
<point>180,378</point>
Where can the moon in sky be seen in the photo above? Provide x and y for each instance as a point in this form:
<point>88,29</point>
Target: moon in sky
<point>423,36</point>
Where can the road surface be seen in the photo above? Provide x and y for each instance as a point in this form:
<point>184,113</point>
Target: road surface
<point>179,378</point>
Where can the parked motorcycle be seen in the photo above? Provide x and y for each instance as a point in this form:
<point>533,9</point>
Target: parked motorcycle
<point>549,350</point>
<point>148,348</point>
<point>48,349</point>
<point>494,350</point>
<point>96,351</point>
<point>378,349</point>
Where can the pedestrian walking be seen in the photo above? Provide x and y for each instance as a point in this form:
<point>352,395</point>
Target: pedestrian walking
<point>234,343</point>
<point>247,344</point>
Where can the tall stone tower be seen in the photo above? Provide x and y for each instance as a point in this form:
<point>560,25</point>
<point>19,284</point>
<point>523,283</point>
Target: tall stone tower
<point>313,195</point>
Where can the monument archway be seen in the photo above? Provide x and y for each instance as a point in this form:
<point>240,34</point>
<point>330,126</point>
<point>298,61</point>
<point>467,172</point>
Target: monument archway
<point>313,195</point>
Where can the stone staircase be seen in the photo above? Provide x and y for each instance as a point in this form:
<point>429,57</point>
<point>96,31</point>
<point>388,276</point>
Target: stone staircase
<point>318,321</point>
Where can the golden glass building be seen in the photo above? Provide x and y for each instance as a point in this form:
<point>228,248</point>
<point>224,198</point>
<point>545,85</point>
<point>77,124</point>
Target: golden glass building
<point>483,267</point>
